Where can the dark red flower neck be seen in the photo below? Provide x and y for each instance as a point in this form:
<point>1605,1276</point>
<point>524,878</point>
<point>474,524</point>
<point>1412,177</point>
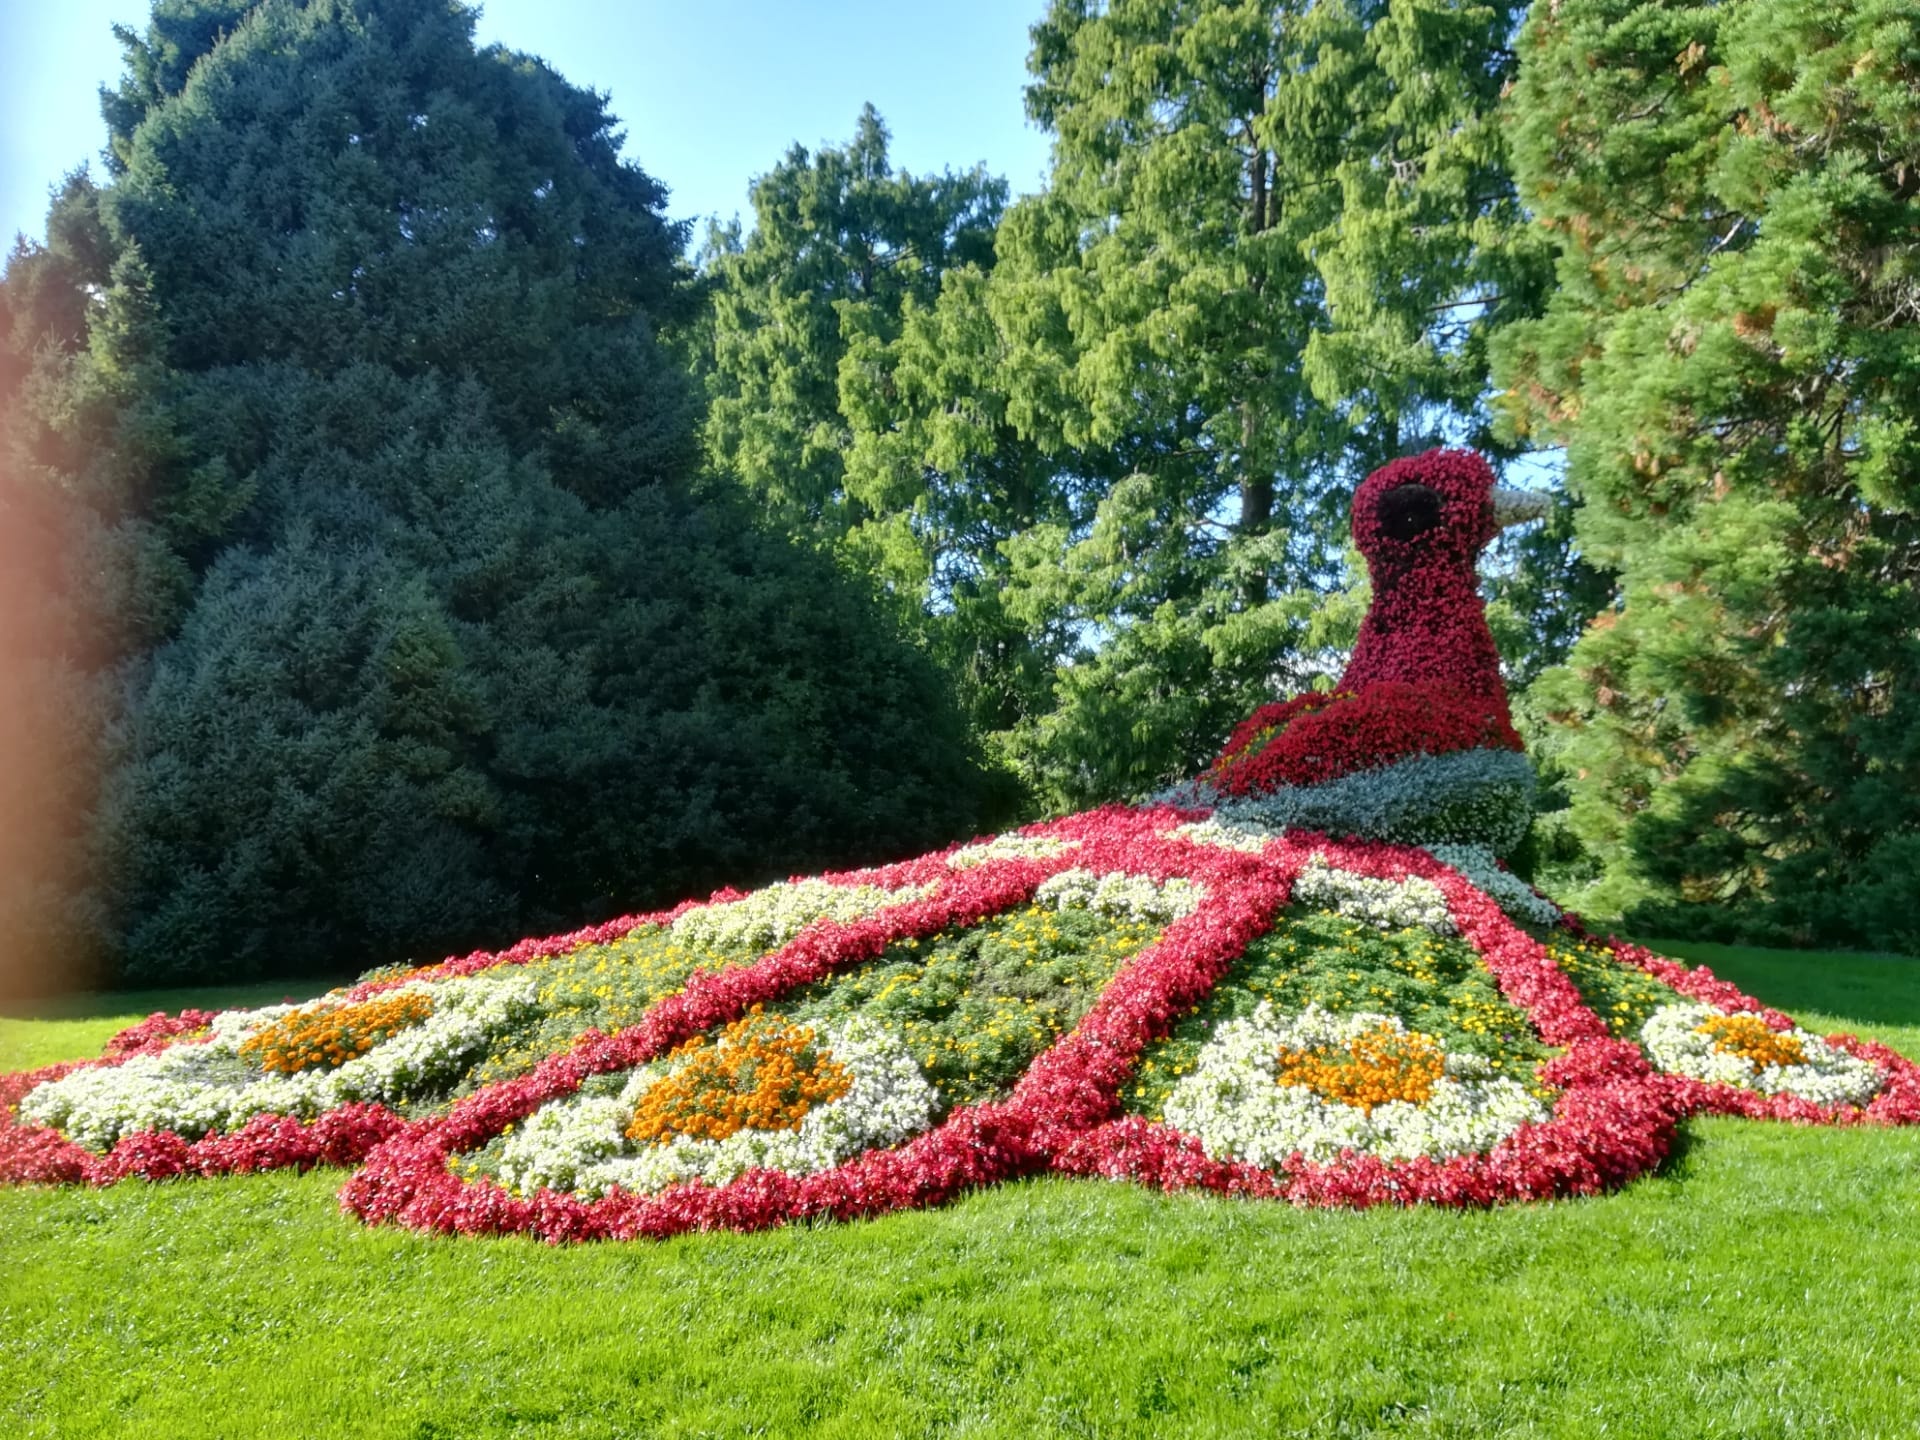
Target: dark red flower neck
<point>1421,523</point>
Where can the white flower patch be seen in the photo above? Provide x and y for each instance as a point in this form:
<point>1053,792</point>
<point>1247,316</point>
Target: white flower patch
<point>1475,862</point>
<point>1125,897</point>
<point>1235,1106</point>
<point>1011,847</point>
<point>197,1088</point>
<point>579,1144</point>
<point>1223,835</point>
<point>1826,1076</point>
<point>1503,887</point>
<point>1384,904</point>
<point>767,919</point>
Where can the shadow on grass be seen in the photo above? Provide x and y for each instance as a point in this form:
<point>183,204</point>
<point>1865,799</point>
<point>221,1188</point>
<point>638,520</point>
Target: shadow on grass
<point>1682,1154</point>
<point>1870,989</point>
<point>104,1004</point>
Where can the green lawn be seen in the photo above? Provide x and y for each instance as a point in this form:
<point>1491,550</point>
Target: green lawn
<point>38,1033</point>
<point>1766,1283</point>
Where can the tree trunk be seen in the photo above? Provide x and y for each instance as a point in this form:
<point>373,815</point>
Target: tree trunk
<point>1256,501</point>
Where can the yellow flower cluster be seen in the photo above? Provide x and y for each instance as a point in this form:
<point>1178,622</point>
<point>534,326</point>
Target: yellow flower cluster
<point>1378,1066</point>
<point>764,1074</point>
<point>1617,992</point>
<point>316,1039</point>
<point>605,987</point>
<point>1753,1040</point>
<point>974,1025</point>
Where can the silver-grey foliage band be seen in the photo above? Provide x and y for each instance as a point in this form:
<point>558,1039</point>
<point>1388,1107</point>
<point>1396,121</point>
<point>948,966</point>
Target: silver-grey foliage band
<point>1468,797</point>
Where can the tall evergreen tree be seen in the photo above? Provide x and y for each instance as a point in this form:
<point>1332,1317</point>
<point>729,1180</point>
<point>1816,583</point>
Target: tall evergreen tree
<point>1733,359</point>
<point>818,356</point>
<point>422,633</point>
<point>1275,238</point>
<point>841,245</point>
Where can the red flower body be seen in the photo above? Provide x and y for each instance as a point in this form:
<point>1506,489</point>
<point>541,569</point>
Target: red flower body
<point>1316,738</point>
<point>1425,677</point>
<point>1427,622</point>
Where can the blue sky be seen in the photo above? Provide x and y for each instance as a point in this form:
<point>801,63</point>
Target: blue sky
<point>709,94</point>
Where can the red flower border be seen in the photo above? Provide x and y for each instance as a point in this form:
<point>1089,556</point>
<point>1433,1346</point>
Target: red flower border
<point>1614,1118</point>
<point>1897,1104</point>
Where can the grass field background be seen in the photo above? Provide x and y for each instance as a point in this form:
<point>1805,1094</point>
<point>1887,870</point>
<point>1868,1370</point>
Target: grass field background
<point>1765,1283</point>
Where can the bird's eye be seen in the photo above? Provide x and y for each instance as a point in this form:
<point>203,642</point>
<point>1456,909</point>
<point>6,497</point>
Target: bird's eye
<point>1408,511</point>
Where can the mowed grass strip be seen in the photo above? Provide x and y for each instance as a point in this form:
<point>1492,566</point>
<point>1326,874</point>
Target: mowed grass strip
<point>1765,1283</point>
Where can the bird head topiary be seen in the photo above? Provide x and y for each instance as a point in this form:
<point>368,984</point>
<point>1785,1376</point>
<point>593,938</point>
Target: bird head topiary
<point>1421,524</point>
<point>1415,742</point>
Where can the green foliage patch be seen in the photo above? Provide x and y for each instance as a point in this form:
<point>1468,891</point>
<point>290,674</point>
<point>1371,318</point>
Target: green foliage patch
<point>977,1005</point>
<point>1761,1287</point>
<point>598,987</point>
<point>1619,994</point>
<point>1731,359</point>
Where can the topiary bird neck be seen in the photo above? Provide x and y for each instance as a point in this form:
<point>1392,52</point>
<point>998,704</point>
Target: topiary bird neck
<point>1428,624</point>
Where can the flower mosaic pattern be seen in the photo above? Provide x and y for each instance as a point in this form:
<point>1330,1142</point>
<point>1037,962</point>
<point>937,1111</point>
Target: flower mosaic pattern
<point>1512,894</point>
<point>1719,1048</point>
<point>753,1060</point>
<point>547,1152</point>
<point>221,1082</point>
<point>1316,1085</point>
<point>1385,904</point>
<point>587,1145</point>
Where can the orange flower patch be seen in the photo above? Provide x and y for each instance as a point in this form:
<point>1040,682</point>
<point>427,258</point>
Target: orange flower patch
<point>327,1039</point>
<point>1381,1065</point>
<point>764,1074</point>
<point>1753,1040</point>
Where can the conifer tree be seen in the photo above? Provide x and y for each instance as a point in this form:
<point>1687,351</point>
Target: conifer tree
<point>841,244</point>
<point>420,631</point>
<point>1273,243</point>
<point>1733,360</point>
<point>818,356</point>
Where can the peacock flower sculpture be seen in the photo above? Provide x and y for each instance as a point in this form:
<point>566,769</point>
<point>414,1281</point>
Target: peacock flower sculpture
<point>1305,977</point>
<point>1415,743</point>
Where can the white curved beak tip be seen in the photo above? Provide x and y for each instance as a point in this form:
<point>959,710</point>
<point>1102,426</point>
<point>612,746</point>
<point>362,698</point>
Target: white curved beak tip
<point>1513,506</point>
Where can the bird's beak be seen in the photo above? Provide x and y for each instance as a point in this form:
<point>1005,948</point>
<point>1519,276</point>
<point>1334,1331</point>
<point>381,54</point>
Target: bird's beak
<point>1513,506</point>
